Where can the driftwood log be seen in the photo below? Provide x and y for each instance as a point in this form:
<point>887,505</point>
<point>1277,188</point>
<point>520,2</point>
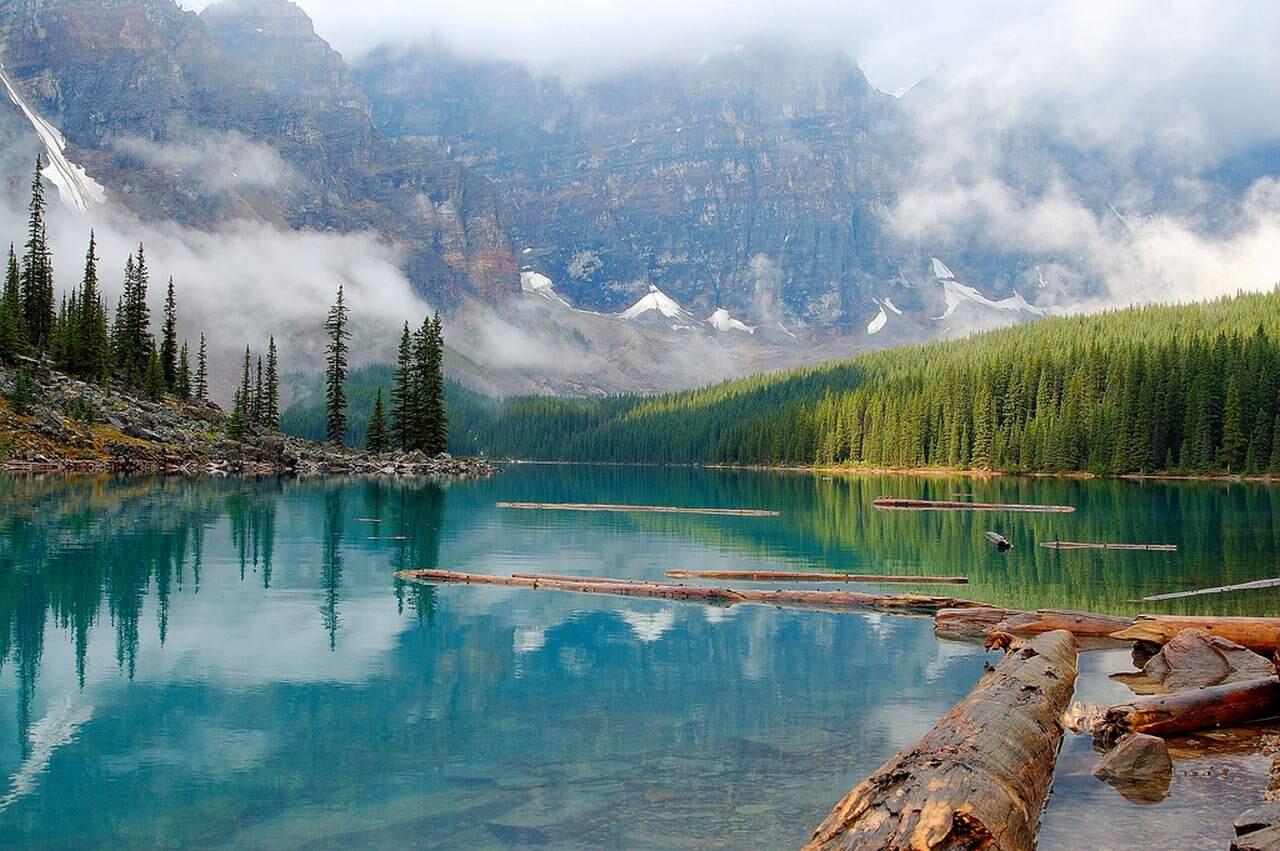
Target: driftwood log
<point>1199,709</point>
<point>982,623</point>
<point>1256,585</point>
<point>834,600</point>
<point>886,503</point>
<point>806,576</point>
<point>1083,545</point>
<point>980,778</point>
<point>1258,634</point>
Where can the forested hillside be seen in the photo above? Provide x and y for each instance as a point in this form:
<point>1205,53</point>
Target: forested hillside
<point>1187,388</point>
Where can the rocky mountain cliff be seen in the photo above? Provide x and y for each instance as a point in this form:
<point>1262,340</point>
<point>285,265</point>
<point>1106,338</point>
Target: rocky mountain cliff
<point>241,112</point>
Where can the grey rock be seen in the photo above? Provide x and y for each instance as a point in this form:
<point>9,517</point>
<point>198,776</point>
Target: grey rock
<point>1139,768</point>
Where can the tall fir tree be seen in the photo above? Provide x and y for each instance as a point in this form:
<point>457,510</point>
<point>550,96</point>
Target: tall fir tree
<point>436,419</point>
<point>258,409</point>
<point>13,325</point>
<point>202,371</point>
<point>182,382</point>
<point>153,378</point>
<point>37,271</point>
<point>376,438</point>
<point>271,410</point>
<point>169,339</point>
<point>335,325</point>
<point>402,397</point>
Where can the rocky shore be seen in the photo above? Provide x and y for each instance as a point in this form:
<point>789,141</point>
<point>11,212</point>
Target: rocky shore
<point>60,424</point>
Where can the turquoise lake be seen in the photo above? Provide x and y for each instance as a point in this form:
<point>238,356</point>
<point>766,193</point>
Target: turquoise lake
<point>216,663</point>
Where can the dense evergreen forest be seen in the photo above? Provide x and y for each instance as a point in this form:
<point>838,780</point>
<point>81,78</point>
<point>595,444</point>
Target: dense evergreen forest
<point>1165,388</point>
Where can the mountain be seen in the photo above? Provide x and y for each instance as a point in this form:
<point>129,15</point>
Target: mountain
<point>241,112</point>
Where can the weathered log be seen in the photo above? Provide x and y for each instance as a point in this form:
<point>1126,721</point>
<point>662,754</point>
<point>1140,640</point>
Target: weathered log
<point>1258,634</point>
<point>1221,589</point>
<point>1001,542</point>
<point>1080,545</point>
<point>637,509</point>
<point>886,503</point>
<point>1187,711</point>
<point>804,576</point>
<point>979,779</point>
<point>561,577</point>
<point>836,600</point>
<point>967,624</point>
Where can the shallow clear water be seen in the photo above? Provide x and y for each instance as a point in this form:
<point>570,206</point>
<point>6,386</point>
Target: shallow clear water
<point>232,663</point>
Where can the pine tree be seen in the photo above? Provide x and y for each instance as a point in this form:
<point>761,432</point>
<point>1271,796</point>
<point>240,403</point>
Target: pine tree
<point>402,399</point>
<point>246,397</point>
<point>169,339</point>
<point>437,421</point>
<point>258,408</point>
<point>182,382</point>
<point>153,379</point>
<point>271,409</point>
<point>13,325</point>
<point>202,372</point>
<point>91,349</point>
<point>37,271</point>
<point>236,422</point>
<point>1234,439</point>
<point>376,439</point>
<point>335,326</point>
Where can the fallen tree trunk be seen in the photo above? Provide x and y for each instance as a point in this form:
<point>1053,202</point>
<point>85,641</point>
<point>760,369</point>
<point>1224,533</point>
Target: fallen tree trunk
<point>980,778</point>
<point>886,503</point>
<point>1199,709</point>
<point>1258,634</point>
<point>637,509</point>
<point>1079,545</point>
<point>980,623</point>
<point>1221,589</point>
<point>802,576</point>
<point>835,600</point>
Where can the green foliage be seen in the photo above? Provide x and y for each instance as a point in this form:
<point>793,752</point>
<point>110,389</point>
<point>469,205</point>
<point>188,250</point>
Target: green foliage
<point>169,340</point>
<point>376,437</point>
<point>25,393</point>
<point>1187,388</point>
<point>153,379</point>
<point>81,409</point>
<point>36,274</point>
<point>13,326</point>
<point>335,325</point>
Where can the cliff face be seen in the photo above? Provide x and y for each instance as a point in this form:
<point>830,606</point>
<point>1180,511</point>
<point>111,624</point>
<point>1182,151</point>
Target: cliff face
<point>243,111</point>
<point>757,180</point>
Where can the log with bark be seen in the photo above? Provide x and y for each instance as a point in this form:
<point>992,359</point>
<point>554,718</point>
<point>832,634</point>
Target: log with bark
<point>833,600</point>
<point>806,576</point>
<point>982,623</point>
<point>971,624</point>
<point>1258,634</point>
<point>1081,545</point>
<point>886,503</point>
<point>637,509</point>
<point>1199,709</point>
<point>980,778</point>
<point>1256,585</point>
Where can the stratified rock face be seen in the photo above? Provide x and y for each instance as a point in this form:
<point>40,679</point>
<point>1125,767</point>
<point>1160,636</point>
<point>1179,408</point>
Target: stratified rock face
<point>753,181</point>
<point>243,111</point>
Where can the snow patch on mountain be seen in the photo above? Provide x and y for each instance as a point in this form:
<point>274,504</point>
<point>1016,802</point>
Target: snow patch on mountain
<point>659,302</point>
<point>955,294</point>
<point>539,284</point>
<point>888,302</point>
<point>76,189</point>
<point>722,321</point>
<point>875,326</point>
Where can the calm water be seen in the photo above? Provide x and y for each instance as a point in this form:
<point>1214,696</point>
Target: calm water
<point>217,663</point>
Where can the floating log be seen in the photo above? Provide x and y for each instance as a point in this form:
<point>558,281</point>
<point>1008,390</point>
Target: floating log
<point>803,576</point>
<point>1221,589</point>
<point>598,580</point>
<point>1079,545</point>
<point>982,623</point>
<point>834,600</point>
<point>885,503</point>
<point>980,778</point>
<point>1188,711</point>
<point>637,509</point>
<point>1001,542</point>
<point>1258,634</point>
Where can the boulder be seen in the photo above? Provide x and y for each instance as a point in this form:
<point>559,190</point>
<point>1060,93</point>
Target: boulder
<point>1139,768</point>
<point>1196,659</point>
<point>1258,829</point>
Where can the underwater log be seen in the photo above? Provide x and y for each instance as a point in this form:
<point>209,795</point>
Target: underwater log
<point>886,503</point>
<point>638,509</point>
<point>803,576</point>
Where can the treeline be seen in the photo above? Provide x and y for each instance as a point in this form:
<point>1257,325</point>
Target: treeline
<point>1192,389</point>
<point>80,337</point>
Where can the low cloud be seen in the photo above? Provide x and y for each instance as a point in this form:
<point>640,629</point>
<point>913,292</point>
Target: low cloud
<point>220,162</point>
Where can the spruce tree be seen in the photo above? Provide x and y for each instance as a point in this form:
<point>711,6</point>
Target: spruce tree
<point>89,358</point>
<point>402,400</point>
<point>202,371</point>
<point>246,398</point>
<point>271,410</point>
<point>436,420</point>
<point>37,271</point>
<point>169,339</point>
<point>376,439</point>
<point>153,379</point>
<point>335,326</point>
<point>182,383</point>
<point>236,422</point>
<point>258,408</point>
<point>14,332</point>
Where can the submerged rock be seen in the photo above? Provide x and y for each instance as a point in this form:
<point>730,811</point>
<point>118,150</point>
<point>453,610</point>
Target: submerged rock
<point>1196,659</point>
<point>1139,768</point>
<point>1258,829</point>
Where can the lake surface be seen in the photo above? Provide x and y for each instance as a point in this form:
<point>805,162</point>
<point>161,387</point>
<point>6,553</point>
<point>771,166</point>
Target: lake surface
<point>230,662</point>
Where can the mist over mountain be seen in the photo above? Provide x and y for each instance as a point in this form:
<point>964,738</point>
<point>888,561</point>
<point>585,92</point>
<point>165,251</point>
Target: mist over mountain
<point>743,175</point>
